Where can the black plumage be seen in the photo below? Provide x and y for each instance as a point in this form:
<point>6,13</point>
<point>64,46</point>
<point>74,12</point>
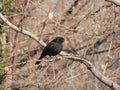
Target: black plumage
<point>53,48</point>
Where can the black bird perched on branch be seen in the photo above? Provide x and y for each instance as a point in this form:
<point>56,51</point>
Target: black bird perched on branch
<point>53,48</point>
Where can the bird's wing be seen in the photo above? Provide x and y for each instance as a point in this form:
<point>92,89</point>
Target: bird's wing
<point>47,50</point>
<point>50,46</point>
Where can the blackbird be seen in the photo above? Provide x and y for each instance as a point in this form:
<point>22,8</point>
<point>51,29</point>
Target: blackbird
<point>52,48</point>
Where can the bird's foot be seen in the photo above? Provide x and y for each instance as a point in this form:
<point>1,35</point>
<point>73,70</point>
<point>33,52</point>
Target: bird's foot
<point>51,60</point>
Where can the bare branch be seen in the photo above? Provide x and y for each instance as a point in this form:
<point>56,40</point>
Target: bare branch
<point>117,2</point>
<point>95,72</point>
<point>22,30</point>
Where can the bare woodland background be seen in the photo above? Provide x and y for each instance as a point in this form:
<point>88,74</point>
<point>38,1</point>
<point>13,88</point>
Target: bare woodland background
<point>91,29</point>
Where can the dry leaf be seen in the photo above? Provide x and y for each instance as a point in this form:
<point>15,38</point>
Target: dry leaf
<point>50,15</point>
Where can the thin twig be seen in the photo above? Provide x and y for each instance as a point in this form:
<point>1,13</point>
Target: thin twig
<point>22,30</point>
<point>117,2</point>
<point>95,72</point>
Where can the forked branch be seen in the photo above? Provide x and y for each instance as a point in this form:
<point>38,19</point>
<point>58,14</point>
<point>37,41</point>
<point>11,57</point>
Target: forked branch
<point>95,72</point>
<point>21,30</point>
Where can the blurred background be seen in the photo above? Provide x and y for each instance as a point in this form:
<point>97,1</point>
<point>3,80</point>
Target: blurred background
<point>91,29</point>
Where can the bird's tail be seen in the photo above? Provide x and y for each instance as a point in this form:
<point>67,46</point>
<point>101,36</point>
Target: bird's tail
<point>37,62</point>
<point>40,59</point>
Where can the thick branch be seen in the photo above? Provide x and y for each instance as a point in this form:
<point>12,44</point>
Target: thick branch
<point>95,72</point>
<point>22,30</point>
<point>117,2</point>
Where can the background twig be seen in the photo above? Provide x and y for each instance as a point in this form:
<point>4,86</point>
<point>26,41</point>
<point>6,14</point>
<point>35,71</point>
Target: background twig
<point>117,2</point>
<point>95,72</point>
<point>22,30</point>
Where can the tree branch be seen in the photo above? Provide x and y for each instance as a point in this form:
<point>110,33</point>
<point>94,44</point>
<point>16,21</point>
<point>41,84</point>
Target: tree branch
<point>86,62</point>
<point>95,72</point>
<point>22,30</point>
<point>117,2</point>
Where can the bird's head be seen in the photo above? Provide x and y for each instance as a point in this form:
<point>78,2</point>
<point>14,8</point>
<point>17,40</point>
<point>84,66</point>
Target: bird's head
<point>58,39</point>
